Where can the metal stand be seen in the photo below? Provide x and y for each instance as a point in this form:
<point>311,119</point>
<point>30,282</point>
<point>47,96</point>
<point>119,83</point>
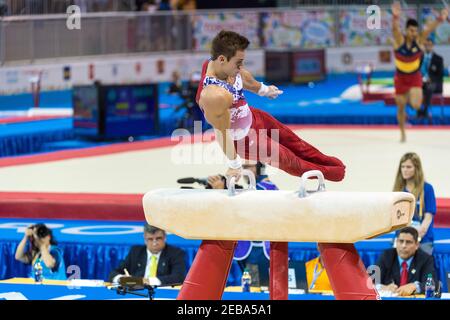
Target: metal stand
<point>126,290</point>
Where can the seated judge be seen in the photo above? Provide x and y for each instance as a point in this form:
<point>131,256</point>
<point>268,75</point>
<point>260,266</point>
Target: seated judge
<point>159,263</point>
<point>404,269</point>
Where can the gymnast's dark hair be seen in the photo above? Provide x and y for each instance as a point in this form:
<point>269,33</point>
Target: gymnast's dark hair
<point>412,23</point>
<point>226,43</point>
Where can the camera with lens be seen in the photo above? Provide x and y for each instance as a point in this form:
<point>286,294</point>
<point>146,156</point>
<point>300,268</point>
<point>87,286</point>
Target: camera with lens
<point>41,231</point>
<point>203,182</point>
<point>188,93</point>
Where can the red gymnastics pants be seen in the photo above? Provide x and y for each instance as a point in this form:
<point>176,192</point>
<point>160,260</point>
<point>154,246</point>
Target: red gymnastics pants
<point>404,82</point>
<point>284,149</point>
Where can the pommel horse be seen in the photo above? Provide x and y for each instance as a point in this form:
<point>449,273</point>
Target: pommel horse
<point>335,220</point>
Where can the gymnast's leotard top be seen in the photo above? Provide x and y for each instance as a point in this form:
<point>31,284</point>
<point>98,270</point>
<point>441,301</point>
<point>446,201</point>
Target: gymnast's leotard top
<point>240,113</point>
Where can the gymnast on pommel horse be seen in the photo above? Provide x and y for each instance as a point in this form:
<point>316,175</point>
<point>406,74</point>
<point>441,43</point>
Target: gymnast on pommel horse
<point>247,132</point>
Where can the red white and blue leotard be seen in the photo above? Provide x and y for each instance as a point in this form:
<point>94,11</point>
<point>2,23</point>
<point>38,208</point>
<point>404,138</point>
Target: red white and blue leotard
<point>240,113</point>
<point>293,155</point>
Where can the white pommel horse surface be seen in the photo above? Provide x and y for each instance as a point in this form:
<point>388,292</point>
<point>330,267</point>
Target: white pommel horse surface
<point>276,215</point>
<point>335,220</point>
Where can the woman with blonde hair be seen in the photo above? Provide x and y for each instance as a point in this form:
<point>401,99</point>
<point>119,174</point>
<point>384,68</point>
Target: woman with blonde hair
<point>410,178</point>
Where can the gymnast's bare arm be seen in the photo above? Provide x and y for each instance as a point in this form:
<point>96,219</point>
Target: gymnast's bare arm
<point>396,30</point>
<point>251,84</point>
<point>216,103</point>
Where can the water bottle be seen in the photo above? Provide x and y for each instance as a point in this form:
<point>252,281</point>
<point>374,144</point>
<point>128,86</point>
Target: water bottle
<point>38,273</point>
<point>429,287</point>
<point>246,281</point>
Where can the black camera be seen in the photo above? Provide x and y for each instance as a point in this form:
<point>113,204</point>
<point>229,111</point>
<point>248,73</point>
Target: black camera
<point>41,231</point>
<point>189,106</point>
<point>204,182</point>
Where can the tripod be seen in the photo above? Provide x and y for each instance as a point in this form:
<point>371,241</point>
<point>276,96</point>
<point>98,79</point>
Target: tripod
<point>123,290</point>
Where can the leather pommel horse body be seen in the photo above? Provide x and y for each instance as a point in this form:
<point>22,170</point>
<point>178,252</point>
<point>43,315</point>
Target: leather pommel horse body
<point>335,220</point>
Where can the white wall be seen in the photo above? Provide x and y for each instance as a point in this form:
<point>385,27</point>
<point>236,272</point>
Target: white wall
<point>15,79</point>
<point>153,68</point>
<point>335,58</point>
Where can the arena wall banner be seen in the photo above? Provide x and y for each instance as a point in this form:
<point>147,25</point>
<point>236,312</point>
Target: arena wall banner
<point>308,65</point>
<point>206,26</point>
<point>348,59</point>
<point>353,30</point>
<point>299,29</point>
<point>442,33</point>
<point>124,70</point>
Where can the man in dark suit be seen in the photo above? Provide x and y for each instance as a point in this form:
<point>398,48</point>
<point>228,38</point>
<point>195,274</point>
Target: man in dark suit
<point>433,76</point>
<point>157,262</point>
<point>404,269</point>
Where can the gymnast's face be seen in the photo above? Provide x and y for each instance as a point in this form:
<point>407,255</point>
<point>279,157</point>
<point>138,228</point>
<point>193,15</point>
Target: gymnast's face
<point>408,170</point>
<point>406,245</point>
<point>232,67</point>
<point>412,33</point>
<point>155,242</point>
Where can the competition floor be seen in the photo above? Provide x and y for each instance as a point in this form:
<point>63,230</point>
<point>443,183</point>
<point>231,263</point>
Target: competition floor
<point>371,155</point>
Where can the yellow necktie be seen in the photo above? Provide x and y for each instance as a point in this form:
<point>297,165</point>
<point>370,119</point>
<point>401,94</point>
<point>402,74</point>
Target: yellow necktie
<point>153,266</point>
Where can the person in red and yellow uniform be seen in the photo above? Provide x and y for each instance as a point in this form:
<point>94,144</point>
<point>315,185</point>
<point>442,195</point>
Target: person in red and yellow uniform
<point>408,53</point>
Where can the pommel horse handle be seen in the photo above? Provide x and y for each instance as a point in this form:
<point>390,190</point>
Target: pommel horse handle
<point>231,182</point>
<point>309,174</point>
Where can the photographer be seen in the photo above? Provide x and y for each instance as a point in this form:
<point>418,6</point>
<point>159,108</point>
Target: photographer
<point>45,258</point>
<point>176,85</point>
<point>216,182</point>
<point>220,182</point>
<point>192,110</point>
<point>262,180</point>
<point>259,170</point>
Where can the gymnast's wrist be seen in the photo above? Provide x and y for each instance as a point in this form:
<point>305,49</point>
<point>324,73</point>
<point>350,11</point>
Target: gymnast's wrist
<point>263,90</point>
<point>235,163</point>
